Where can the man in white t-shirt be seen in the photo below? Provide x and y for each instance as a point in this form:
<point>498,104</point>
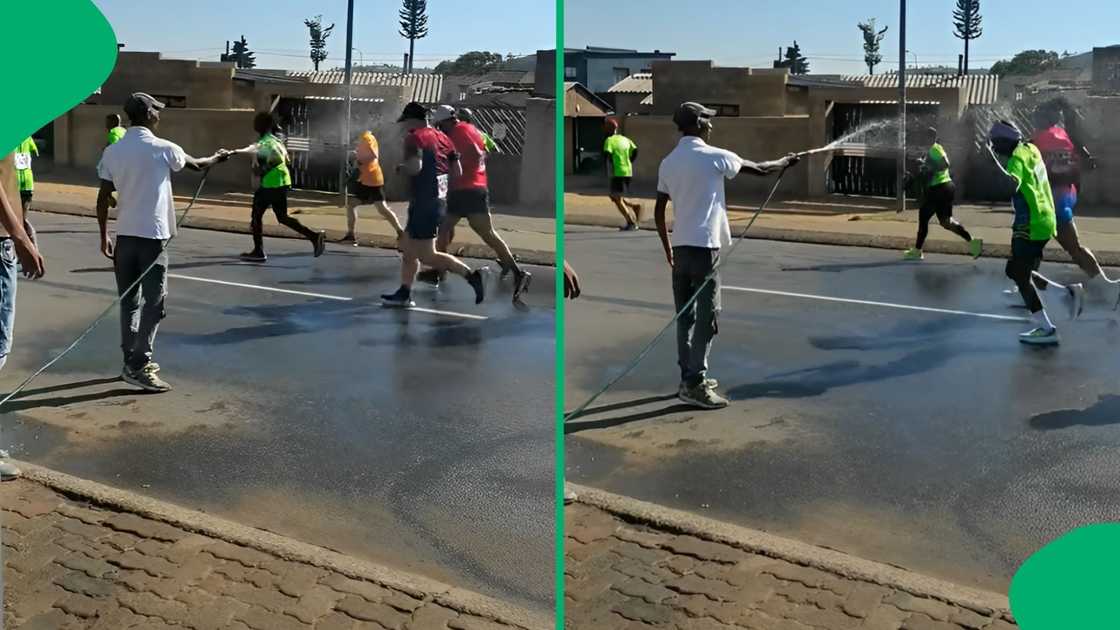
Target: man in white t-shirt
<point>138,167</point>
<point>692,177</point>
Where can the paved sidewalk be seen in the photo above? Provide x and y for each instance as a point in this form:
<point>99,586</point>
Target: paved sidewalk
<point>531,234</point>
<point>635,566</point>
<point>75,564</point>
<point>868,222</point>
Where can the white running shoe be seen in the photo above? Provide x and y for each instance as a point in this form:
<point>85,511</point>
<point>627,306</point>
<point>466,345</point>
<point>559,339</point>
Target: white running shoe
<point>1076,300</point>
<point>1040,337</point>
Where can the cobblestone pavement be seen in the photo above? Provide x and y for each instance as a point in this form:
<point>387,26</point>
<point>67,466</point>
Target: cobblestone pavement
<point>69,566</point>
<point>629,576</point>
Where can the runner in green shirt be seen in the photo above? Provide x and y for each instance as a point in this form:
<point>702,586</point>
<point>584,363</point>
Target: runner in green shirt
<point>114,129</point>
<point>620,153</point>
<point>1033,226</point>
<point>940,193</point>
<point>270,164</point>
<point>23,154</point>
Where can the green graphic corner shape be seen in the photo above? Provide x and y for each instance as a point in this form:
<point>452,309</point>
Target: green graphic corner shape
<point>57,72</point>
<point>1073,582</point>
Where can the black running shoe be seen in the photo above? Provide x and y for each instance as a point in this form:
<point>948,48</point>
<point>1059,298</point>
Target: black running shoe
<point>320,243</point>
<point>256,257</point>
<point>475,280</point>
<point>521,281</point>
<point>401,299</point>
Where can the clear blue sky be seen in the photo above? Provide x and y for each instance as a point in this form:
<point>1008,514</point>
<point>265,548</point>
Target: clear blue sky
<point>275,31</point>
<point>749,32</point>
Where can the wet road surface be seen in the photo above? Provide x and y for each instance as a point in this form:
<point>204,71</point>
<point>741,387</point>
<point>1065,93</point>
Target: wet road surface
<point>423,440</point>
<point>929,439</point>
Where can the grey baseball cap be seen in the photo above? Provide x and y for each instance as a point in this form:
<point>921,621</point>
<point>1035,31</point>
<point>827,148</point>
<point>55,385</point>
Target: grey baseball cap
<point>690,114</point>
<point>139,104</point>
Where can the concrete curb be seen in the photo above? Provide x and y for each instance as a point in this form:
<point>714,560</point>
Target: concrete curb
<point>754,541</point>
<point>286,548</point>
<point>847,239</point>
<point>382,241</point>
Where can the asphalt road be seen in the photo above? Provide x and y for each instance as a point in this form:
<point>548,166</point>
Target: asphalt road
<point>420,439</point>
<point>929,439</point>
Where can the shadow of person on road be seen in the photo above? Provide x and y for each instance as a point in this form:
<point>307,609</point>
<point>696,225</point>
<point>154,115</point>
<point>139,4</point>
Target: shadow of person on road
<point>571,426</point>
<point>25,401</point>
<point>1106,411</point>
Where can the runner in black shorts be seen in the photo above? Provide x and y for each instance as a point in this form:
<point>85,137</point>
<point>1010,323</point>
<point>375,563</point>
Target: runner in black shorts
<point>469,197</point>
<point>431,161</point>
<point>938,200</point>
<point>368,188</point>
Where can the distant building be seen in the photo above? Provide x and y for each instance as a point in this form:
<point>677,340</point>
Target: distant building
<point>1106,70</point>
<point>595,68</point>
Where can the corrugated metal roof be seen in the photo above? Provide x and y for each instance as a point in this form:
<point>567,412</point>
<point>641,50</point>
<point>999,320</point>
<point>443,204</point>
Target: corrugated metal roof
<point>639,83</point>
<point>981,89</point>
<point>648,100</point>
<point>426,88</point>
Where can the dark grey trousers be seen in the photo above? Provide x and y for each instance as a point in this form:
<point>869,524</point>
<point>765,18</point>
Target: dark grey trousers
<point>697,326</point>
<point>139,322</point>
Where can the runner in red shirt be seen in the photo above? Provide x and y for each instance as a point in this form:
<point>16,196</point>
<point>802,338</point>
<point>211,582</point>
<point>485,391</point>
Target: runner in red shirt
<point>430,160</point>
<point>470,196</point>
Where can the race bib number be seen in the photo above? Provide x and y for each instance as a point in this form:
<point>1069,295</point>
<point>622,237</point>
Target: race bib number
<point>23,161</point>
<point>441,186</point>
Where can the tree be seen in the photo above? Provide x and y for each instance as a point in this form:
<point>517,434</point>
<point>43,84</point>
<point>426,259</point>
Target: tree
<point>471,63</point>
<point>414,25</point>
<point>319,37</point>
<point>968,24</point>
<point>1028,62</point>
<point>794,60</point>
<point>241,55</point>
<point>871,41</point>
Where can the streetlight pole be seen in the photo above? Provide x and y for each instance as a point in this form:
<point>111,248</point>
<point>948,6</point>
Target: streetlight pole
<point>349,100</point>
<point>361,57</point>
<point>915,59</point>
<point>901,170</point>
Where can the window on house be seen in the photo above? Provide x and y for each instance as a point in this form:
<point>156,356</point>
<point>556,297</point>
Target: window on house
<point>569,72</point>
<point>172,102</point>
<point>724,110</point>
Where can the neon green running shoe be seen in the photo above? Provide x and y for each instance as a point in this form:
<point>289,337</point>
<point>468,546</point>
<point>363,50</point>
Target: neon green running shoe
<point>913,254</point>
<point>975,246</point>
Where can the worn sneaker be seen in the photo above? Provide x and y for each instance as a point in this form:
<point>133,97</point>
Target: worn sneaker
<point>348,239</point>
<point>256,257</point>
<point>709,382</point>
<point>704,397</point>
<point>521,281</point>
<point>975,247</point>
<point>1076,300</point>
<point>1040,337</point>
<point>9,471</point>
<point>401,299</point>
<point>629,227</point>
<point>320,243</point>
<point>145,378</point>
<point>913,254</point>
<point>570,497</point>
<point>475,280</point>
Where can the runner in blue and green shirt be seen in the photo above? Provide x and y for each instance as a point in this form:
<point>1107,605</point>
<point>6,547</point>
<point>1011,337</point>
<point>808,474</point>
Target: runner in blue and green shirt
<point>1033,226</point>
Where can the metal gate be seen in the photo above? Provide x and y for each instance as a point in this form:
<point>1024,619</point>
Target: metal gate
<point>313,129</point>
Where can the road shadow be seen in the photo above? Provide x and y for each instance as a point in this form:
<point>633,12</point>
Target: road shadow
<point>1105,412</point>
<point>815,381</point>
<point>26,402</point>
<point>574,425</point>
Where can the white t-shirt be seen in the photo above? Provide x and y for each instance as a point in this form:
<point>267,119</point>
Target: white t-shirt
<point>692,175</point>
<point>140,167</point>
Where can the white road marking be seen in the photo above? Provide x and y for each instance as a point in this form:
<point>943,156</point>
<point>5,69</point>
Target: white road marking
<point>340,298</point>
<point>907,307</point>
<point>445,313</point>
<point>260,288</point>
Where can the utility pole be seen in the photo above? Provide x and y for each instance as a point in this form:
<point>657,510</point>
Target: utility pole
<point>901,174</point>
<point>349,101</point>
